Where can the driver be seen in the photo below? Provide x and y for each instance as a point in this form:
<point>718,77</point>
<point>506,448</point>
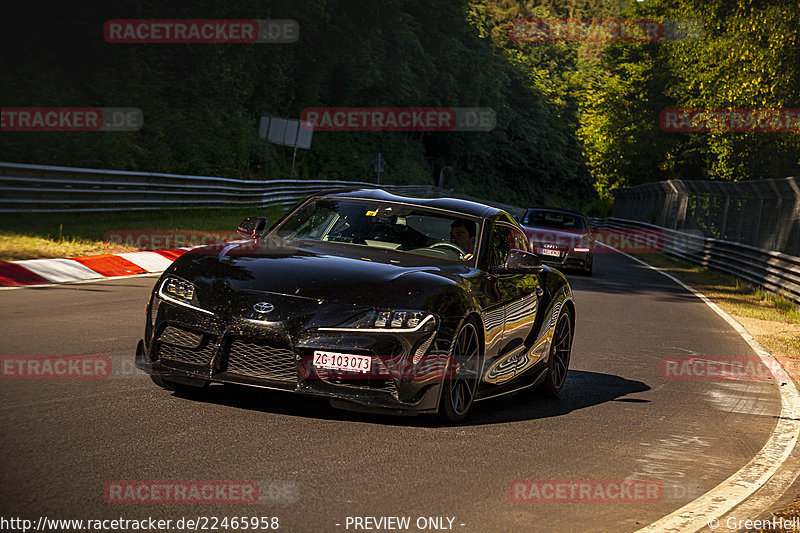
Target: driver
<point>462,234</point>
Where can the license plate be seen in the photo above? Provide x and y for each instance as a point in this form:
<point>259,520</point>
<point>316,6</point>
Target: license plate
<point>554,253</point>
<point>342,361</point>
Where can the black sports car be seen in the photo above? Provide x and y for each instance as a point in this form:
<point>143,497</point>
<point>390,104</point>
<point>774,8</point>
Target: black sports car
<point>372,300</point>
<point>560,237</point>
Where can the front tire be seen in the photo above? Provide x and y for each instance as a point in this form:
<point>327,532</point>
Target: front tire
<point>461,383</point>
<point>560,352</point>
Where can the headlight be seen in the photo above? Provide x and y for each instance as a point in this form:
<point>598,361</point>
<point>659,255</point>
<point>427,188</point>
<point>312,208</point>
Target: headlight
<point>385,321</point>
<point>180,292</point>
<point>584,245</point>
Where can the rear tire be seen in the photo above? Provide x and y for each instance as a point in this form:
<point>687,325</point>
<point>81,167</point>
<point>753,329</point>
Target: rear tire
<point>560,351</point>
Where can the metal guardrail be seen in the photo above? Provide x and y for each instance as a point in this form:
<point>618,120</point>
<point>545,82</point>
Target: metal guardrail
<point>775,271</point>
<point>38,188</point>
<point>42,189</point>
<point>763,213</point>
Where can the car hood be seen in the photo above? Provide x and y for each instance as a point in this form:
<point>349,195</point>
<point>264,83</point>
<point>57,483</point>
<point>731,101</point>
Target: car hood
<point>327,272</point>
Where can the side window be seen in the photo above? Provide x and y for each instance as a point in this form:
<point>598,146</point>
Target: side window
<point>501,244</point>
<point>504,239</point>
<point>520,240</point>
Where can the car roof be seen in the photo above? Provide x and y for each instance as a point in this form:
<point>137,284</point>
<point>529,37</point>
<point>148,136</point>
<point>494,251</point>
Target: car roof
<point>556,209</point>
<point>450,204</point>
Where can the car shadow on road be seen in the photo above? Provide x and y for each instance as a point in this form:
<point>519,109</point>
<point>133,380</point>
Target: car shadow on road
<point>582,389</point>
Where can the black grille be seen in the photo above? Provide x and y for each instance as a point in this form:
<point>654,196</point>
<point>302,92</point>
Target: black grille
<point>180,337</point>
<point>358,380</point>
<point>260,361</point>
<point>170,352</point>
<point>387,386</point>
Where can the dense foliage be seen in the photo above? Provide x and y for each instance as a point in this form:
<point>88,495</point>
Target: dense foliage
<point>563,109</point>
<point>202,102</point>
<point>744,56</point>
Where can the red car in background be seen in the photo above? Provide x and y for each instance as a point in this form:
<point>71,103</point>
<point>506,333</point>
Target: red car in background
<point>560,237</point>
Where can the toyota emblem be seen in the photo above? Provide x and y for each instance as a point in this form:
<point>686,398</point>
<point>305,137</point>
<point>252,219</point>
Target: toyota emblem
<point>263,307</point>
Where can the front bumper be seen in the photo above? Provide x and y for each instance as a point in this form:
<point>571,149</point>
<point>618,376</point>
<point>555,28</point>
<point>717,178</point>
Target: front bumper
<point>192,350</point>
<point>567,258</point>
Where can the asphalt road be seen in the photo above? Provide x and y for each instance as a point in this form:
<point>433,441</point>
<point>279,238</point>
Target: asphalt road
<point>63,440</point>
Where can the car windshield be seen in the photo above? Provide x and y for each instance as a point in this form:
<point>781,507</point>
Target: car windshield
<point>387,225</point>
<point>553,220</point>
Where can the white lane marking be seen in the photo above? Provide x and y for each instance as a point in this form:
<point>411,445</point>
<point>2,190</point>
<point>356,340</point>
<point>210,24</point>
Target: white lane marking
<point>59,270</point>
<point>149,261</point>
<point>742,484</point>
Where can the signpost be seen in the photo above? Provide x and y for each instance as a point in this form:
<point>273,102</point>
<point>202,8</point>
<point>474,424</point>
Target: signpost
<point>288,132</point>
<point>378,165</point>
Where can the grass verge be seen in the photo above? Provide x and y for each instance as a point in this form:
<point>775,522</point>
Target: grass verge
<point>35,236</point>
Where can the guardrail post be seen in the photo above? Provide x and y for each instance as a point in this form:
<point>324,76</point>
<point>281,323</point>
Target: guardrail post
<point>725,208</point>
<point>709,211</point>
<point>776,233</point>
<point>744,200</point>
<point>757,233</point>
<point>667,202</point>
<point>795,217</point>
<point>683,204</point>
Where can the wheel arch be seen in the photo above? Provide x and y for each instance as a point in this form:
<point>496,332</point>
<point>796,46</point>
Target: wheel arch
<point>474,315</point>
<point>570,304</point>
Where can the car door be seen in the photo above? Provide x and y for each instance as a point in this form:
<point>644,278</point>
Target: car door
<point>517,297</point>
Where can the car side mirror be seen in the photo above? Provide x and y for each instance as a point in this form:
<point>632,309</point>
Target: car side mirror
<point>252,227</point>
<point>520,262</point>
